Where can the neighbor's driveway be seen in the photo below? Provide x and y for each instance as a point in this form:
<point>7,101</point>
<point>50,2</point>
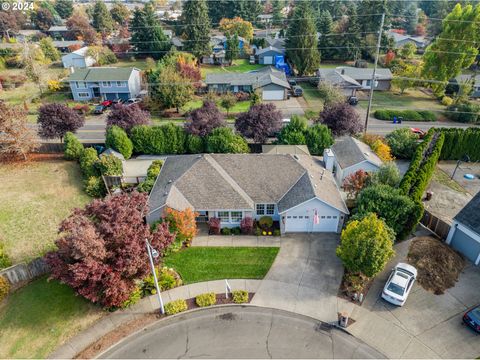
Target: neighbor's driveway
<point>305,277</point>
<point>427,326</point>
<point>289,107</point>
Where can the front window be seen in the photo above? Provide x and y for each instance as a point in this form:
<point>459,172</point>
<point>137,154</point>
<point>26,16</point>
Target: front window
<point>106,83</point>
<point>260,209</point>
<point>236,216</point>
<point>265,209</point>
<point>83,95</point>
<point>81,85</point>
<point>121,83</point>
<point>270,209</point>
<point>224,216</point>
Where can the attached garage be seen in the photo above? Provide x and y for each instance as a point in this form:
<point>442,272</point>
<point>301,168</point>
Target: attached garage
<point>273,92</point>
<point>268,60</point>
<point>465,242</point>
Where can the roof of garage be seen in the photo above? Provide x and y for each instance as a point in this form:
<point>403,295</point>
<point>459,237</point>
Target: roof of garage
<point>259,78</point>
<point>470,214</point>
<point>349,151</point>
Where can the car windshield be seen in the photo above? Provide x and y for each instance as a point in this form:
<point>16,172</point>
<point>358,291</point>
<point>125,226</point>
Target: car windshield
<point>396,289</point>
<point>99,107</point>
<point>476,312</point>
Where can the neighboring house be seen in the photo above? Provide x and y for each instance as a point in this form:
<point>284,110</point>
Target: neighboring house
<point>285,149</point>
<point>276,42</point>
<point>345,83</point>
<point>58,32</point>
<point>347,156</point>
<point>26,35</point>
<point>271,82</point>
<point>265,18</point>
<point>269,55</point>
<point>219,47</point>
<point>295,190</point>
<point>64,46</point>
<point>362,76</point>
<point>464,78</point>
<point>464,235</point>
<point>78,59</point>
<point>216,58</point>
<point>177,42</point>
<point>106,83</point>
<point>402,39</point>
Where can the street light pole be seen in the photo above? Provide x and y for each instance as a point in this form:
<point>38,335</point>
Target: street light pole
<point>374,74</point>
<point>150,256</point>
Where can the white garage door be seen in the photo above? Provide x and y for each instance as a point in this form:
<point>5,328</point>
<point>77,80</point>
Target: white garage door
<point>468,246</point>
<point>304,223</point>
<point>273,95</point>
<point>268,60</point>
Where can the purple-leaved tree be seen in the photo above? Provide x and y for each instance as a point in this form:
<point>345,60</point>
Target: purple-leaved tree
<point>341,118</point>
<point>127,117</point>
<point>204,120</point>
<point>55,120</point>
<point>260,122</point>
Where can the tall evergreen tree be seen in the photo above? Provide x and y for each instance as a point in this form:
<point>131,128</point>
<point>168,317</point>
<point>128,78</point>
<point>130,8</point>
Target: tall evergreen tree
<point>302,43</point>
<point>102,20</point>
<point>64,8</point>
<point>454,49</point>
<point>371,12</point>
<point>232,51</point>
<point>219,9</point>
<point>196,28</point>
<point>411,19</point>
<point>325,27</point>
<point>277,6</point>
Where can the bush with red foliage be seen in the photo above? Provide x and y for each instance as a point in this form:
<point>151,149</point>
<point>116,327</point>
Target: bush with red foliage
<point>191,72</point>
<point>341,118</point>
<point>204,120</point>
<point>355,182</point>
<point>214,226</point>
<point>246,225</point>
<point>242,96</point>
<point>259,122</point>
<point>55,120</point>
<point>127,117</point>
<point>102,253</point>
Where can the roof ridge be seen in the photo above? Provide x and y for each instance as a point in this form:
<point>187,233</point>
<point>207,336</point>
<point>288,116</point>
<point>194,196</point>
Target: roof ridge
<point>229,179</point>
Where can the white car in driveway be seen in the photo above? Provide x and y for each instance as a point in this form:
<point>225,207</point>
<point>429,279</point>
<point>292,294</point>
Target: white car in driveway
<point>399,284</point>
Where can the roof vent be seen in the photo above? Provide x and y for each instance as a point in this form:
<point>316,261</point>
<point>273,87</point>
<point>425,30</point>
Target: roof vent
<point>169,181</point>
<point>366,154</point>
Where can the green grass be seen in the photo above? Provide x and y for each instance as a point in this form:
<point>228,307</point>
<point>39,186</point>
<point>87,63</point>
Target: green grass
<point>442,177</point>
<point>139,64</point>
<point>197,264</point>
<point>312,97</point>
<point>240,66</point>
<point>35,197</point>
<point>240,106</point>
<point>37,318</point>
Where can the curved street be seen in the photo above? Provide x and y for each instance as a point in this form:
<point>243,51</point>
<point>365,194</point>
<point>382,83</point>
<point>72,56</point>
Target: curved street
<point>240,332</point>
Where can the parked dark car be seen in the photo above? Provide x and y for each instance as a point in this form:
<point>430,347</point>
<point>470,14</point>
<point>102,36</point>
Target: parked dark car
<point>352,100</point>
<point>107,103</point>
<point>297,91</point>
<point>472,318</point>
<point>292,82</point>
<point>99,109</point>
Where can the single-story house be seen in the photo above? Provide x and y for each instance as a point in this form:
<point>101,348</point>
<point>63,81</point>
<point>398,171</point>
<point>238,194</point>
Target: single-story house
<point>106,83</point>
<point>285,149</point>
<point>216,58</point>
<point>347,156</point>
<point>265,18</point>
<point>58,32</point>
<point>454,84</point>
<point>345,83</point>
<point>219,43</point>
<point>25,35</point>
<point>269,55</point>
<point>64,46</point>
<point>362,76</point>
<point>402,39</point>
<point>276,42</point>
<point>78,59</point>
<point>464,235</point>
<point>294,190</point>
<point>272,83</point>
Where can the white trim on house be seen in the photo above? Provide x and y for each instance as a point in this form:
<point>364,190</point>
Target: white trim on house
<point>333,207</point>
<point>456,225</point>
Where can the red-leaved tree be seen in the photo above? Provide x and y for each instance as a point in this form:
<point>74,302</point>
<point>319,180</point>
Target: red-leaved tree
<point>204,120</point>
<point>259,122</point>
<point>55,120</point>
<point>341,118</point>
<point>127,117</point>
<point>354,183</point>
<point>102,250</point>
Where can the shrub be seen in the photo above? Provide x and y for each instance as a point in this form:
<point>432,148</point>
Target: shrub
<point>203,120</point>
<point>134,297</point>
<point>182,223</point>
<point>318,137</point>
<point>4,288</point>
<point>464,113</point>
<point>126,117</point>
<point>447,101</point>
<point>259,122</point>
<point>175,307</point>
<point>4,259</point>
<point>407,115</point>
<point>214,226</point>
<point>402,142</point>
<point>387,174</point>
<point>258,231</point>
<point>73,148</point>
<point>246,225</point>
<point>54,85</point>
<point>194,144</point>
<point>82,109</point>
<point>223,140</point>
<point>276,232</point>
<point>330,94</point>
<point>341,118</point>
<point>240,296</point>
<point>95,187</point>
<point>355,182</point>
<point>110,165</point>
<point>164,139</point>
<point>294,132</point>
<point>152,174</point>
<point>226,231</point>
<point>117,139</point>
<point>207,299</point>
<point>265,222</point>
<point>236,231</point>
<point>460,142</point>
<point>382,150</point>
<point>87,161</point>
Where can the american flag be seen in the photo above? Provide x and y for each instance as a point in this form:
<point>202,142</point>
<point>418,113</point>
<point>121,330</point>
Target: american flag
<point>316,219</point>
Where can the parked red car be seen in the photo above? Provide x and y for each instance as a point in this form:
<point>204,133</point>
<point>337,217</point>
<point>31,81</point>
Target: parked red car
<point>107,103</point>
<point>421,134</point>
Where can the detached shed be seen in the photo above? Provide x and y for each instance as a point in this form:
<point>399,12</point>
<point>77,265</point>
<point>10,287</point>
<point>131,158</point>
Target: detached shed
<point>78,59</point>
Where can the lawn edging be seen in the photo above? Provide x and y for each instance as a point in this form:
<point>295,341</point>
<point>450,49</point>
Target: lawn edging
<point>146,306</point>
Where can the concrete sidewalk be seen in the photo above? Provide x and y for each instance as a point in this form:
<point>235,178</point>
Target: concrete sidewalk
<point>146,305</point>
<point>237,240</point>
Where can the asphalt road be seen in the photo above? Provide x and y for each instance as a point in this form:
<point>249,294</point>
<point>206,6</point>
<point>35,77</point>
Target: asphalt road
<point>239,332</point>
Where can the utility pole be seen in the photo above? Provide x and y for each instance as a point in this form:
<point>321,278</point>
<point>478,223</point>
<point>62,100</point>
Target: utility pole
<point>374,74</point>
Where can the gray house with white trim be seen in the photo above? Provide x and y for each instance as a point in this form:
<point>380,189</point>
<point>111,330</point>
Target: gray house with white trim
<point>361,76</point>
<point>464,235</point>
<point>106,83</point>
<point>295,190</point>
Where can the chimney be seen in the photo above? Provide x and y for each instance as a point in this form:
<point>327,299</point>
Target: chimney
<point>328,159</point>
<point>72,69</point>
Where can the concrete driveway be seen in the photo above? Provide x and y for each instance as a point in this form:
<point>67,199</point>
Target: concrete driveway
<point>427,326</point>
<point>289,107</point>
<point>305,277</point>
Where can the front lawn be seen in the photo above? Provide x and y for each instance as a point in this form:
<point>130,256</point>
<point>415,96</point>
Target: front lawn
<point>39,317</point>
<point>240,106</point>
<point>36,196</point>
<point>198,264</point>
<point>312,96</point>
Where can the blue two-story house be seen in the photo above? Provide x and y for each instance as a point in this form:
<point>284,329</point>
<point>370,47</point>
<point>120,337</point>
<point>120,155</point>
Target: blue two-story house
<point>106,83</point>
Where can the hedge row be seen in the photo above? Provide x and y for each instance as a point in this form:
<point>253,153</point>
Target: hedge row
<point>407,115</point>
<point>460,142</point>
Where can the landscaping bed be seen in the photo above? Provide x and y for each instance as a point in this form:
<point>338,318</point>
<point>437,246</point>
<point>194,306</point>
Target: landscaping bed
<point>438,265</point>
<point>196,264</point>
<point>352,286</point>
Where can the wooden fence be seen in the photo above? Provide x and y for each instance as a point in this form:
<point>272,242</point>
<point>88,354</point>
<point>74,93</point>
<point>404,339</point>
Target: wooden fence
<point>436,225</point>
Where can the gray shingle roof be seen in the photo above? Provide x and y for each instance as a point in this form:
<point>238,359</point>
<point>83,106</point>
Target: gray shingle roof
<point>334,77</point>
<point>361,73</point>
<point>349,151</point>
<point>101,74</point>
<point>238,181</point>
<point>259,78</point>
<point>268,49</point>
<point>470,214</point>
<point>285,149</point>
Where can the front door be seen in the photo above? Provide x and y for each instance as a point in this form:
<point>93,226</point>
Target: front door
<point>96,92</point>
